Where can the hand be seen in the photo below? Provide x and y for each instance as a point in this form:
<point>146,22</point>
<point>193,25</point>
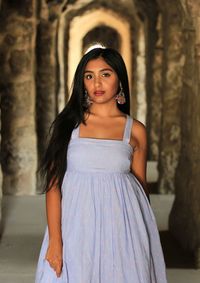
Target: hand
<point>54,256</point>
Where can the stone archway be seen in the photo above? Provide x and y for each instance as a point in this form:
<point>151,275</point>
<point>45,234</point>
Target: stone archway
<point>89,21</point>
<point>104,35</point>
<point>132,34</point>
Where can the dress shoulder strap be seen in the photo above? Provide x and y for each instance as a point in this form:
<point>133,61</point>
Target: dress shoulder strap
<point>75,133</point>
<point>128,128</point>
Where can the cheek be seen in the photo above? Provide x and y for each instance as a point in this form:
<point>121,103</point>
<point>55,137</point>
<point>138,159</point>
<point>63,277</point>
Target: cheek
<point>115,87</point>
<point>87,84</point>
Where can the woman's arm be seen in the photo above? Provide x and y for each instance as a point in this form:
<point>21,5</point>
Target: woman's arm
<point>53,210</point>
<point>139,162</point>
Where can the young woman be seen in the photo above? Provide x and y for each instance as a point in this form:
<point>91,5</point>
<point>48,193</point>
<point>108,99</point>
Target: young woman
<point>101,228</point>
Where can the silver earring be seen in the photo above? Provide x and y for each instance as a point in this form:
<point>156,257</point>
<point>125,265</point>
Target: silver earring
<point>120,97</point>
<point>87,100</point>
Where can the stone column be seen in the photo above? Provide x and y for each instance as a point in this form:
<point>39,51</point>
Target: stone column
<point>184,220</point>
<point>0,166</point>
<point>155,99</point>
<point>1,179</point>
<point>47,73</point>
<point>17,86</point>
<point>46,81</point>
<point>141,76</point>
<point>149,79</point>
<point>173,62</point>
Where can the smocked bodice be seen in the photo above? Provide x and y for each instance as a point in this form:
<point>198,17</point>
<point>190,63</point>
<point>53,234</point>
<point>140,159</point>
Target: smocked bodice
<point>100,155</point>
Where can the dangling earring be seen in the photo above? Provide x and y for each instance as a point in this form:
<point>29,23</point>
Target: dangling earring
<point>87,100</point>
<point>120,97</point>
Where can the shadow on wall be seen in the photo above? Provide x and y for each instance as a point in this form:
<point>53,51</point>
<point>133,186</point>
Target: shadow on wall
<point>175,256</point>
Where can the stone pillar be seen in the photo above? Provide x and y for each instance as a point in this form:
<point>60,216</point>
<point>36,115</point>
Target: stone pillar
<point>1,179</point>
<point>47,75</point>
<point>151,76</point>
<point>141,76</point>
<point>184,221</point>
<point>46,81</point>
<point>17,87</point>
<point>0,168</point>
<point>155,99</point>
<point>173,62</point>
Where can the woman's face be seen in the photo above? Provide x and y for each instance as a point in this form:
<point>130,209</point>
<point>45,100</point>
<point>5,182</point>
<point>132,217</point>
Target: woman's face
<point>100,81</point>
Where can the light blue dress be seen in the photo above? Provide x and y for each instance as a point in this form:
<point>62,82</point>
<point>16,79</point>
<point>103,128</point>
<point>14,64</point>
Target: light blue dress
<point>108,228</point>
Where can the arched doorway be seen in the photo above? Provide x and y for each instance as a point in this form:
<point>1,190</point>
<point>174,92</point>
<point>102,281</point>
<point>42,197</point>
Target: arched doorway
<point>103,34</point>
<point>90,21</point>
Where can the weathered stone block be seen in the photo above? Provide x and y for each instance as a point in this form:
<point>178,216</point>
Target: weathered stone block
<point>1,180</point>
<point>19,156</point>
<point>24,8</point>
<point>20,61</point>
<point>10,39</point>
<point>16,99</point>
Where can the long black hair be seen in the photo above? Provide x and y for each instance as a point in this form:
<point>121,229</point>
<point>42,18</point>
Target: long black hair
<point>54,162</point>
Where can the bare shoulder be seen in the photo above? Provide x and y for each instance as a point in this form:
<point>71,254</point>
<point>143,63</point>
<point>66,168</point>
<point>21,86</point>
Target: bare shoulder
<point>138,128</point>
<point>138,134</point>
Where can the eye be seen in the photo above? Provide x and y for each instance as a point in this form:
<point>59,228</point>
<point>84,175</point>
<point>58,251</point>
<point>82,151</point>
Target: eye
<point>106,74</point>
<point>88,76</point>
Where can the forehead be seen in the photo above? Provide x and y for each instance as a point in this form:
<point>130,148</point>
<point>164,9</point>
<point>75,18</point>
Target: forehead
<point>97,64</point>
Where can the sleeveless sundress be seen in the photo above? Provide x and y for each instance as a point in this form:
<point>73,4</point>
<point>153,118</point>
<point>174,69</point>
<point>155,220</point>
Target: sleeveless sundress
<point>109,231</point>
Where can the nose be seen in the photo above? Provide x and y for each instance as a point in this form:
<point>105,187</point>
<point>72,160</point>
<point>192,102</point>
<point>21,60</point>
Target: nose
<point>97,81</point>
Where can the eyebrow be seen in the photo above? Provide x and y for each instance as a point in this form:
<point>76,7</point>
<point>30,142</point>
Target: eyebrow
<point>101,70</point>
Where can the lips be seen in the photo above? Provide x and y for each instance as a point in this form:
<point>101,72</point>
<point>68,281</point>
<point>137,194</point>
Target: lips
<point>99,92</point>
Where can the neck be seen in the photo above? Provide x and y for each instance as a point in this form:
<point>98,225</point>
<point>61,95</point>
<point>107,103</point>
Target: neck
<point>104,110</point>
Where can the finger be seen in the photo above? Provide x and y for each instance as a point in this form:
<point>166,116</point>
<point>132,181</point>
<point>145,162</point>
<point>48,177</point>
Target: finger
<point>59,269</point>
<point>49,259</point>
<point>58,272</point>
<point>47,255</point>
<point>53,264</point>
<point>50,262</point>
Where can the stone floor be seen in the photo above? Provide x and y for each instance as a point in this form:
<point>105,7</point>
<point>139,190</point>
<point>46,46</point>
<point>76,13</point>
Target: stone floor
<point>23,228</point>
